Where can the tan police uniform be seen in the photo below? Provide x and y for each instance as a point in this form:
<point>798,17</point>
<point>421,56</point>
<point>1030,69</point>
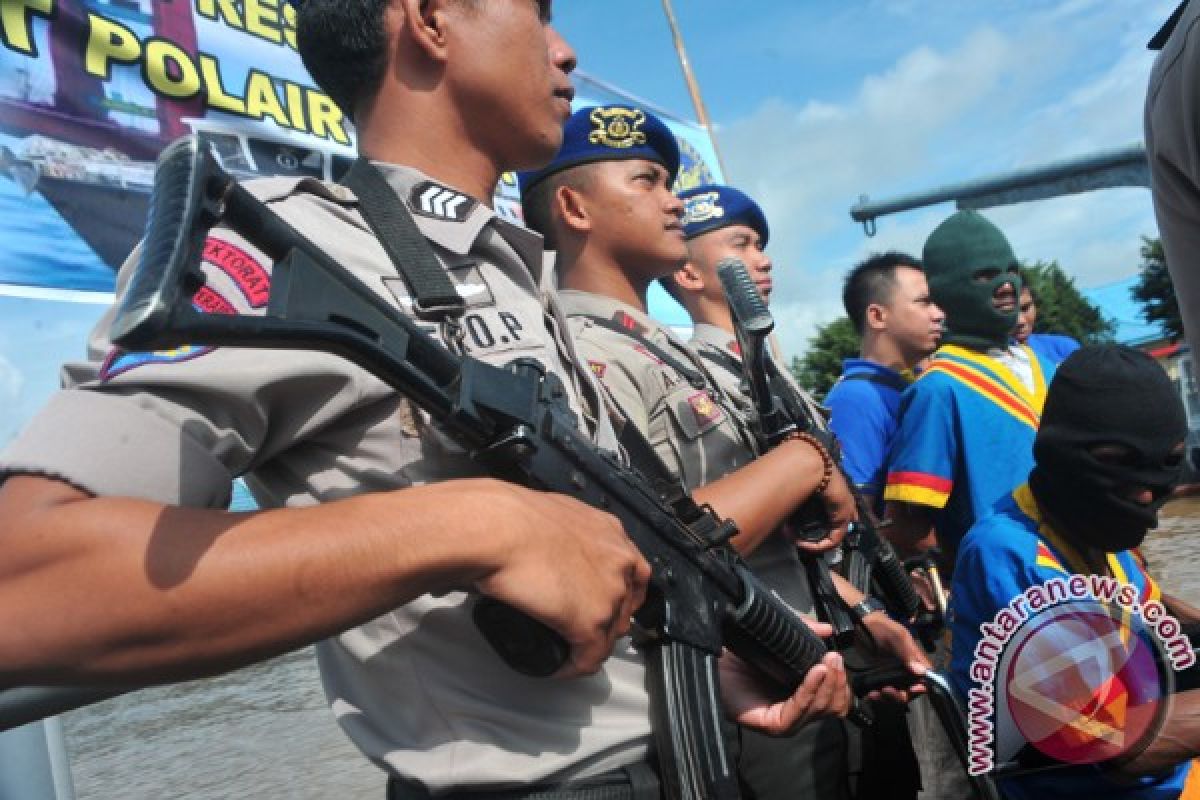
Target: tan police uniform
<point>719,348</point>
<point>418,690</point>
<point>1172,123</point>
<point>813,762</point>
<point>699,433</point>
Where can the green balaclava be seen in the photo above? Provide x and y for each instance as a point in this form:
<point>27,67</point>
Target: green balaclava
<point>954,253</point>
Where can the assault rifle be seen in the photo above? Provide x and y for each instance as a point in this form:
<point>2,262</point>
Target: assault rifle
<point>516,422</point>
<point>871,562</point>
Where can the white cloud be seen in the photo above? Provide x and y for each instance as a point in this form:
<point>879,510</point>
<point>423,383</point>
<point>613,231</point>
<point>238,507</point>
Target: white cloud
<point>1063,82</point>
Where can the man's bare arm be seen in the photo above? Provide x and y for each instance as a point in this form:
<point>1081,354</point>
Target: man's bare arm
<point>910,528</point>
<point>118,590</point>
<point>760,496</point>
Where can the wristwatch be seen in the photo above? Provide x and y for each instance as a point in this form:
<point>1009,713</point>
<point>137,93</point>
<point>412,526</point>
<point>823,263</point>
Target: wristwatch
<point>869,605</point>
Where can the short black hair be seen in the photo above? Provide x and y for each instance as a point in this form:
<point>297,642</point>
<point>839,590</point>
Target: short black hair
<point>343,45</point>
<point>1027,285</point>
<point>873,281</point>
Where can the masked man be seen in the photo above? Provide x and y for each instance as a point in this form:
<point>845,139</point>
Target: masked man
<point>1106,457</point>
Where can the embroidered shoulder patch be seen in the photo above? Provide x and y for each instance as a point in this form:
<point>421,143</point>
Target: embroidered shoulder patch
<point>707,412</point>
<point>210,301</point>
<point>250,276</point>
<point>119,361</point>
<point>431,199</point>
<point>598,368</point>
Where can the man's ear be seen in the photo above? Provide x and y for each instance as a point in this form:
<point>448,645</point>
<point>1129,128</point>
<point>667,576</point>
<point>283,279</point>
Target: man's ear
<point>424,27</point>
<point>689,278</point>
<point>570,205</point>
<point>875,317</point>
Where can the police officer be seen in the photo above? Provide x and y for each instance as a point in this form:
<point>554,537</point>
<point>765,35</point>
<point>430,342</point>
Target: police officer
<point>606,204</point>
<point>114,490</point>
<point>723,222</point>
<point>1172,148</point>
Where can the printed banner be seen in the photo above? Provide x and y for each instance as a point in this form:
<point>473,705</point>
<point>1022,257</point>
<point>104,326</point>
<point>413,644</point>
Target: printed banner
<point>92,90</point>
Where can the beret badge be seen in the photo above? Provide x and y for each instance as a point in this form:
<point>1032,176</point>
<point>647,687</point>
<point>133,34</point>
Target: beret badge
<point>618,128</point>
<point>702,207</point>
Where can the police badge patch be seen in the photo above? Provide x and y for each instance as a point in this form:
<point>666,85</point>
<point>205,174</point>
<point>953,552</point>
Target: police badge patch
<point>617,127</point>
<point>707,412</point>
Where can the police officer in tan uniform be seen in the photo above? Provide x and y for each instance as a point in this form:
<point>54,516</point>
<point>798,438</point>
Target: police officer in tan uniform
<point>723,222</point>
<point>605,204</point>
<point>1173,150</point>
<point>116,541</point>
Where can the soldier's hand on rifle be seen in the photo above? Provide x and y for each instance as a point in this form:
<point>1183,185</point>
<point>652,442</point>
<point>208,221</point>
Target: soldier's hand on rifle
<point>825,692</point>
<point>840,510</point>
<point>569,566</point>
<point>893,641</point>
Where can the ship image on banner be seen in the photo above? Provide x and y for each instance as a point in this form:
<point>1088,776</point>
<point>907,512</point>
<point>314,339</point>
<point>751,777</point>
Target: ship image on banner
<point>92,90</point>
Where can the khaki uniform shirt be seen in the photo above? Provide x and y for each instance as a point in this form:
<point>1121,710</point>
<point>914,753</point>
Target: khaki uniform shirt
<point>719,349</point>
<point>418,690</point>
<point>700,434</point>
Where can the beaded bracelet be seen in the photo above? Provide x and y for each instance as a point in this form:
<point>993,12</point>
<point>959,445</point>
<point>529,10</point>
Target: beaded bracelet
<point>826,459</point>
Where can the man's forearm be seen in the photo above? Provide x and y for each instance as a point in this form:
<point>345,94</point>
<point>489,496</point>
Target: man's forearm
<point>760,496</point>
<point>99,588</point>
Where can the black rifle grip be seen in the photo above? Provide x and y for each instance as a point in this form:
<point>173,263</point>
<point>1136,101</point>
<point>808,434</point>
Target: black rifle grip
<point>527,645</point>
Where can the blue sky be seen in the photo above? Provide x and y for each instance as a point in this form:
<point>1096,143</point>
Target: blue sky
<point>816,102</point>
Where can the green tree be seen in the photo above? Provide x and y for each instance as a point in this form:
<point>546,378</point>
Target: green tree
<point>822,364</point>
<point>1154,290</point>
<point>1062,309</point>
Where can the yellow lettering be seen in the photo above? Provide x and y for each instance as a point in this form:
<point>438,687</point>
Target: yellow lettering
<point>295,102</point>
<point>215,92</point>
<point>16,23</point>
<point>186,80</point>
<point>262,19</point>
<point>326,118</point>
<point>289,25</point>
<point>109,41</point>
<point>261,99</point>
<point>226,10</point>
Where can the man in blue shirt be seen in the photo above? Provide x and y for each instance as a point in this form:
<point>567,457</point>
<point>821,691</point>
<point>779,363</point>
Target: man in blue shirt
<point>888,302</point>
<point>1103,468</point>
<point>1054,346</point>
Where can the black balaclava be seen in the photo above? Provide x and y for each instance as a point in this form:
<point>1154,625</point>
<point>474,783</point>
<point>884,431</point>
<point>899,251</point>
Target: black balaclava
<point>961,246</point>
<point>1107,394</point>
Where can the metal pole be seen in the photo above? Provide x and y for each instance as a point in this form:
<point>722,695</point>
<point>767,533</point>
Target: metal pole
<point>693,86</point>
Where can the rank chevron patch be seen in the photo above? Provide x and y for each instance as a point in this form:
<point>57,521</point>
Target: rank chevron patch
<point>434,200</point>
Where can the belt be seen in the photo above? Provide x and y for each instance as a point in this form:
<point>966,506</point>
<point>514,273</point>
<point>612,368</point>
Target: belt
<point>634,782</point>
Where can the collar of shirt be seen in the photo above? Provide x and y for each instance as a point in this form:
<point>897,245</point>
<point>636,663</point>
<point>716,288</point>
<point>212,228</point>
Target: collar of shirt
<point>437,217</point>
<point>717,337</point>
<point>853,365</point>
<point>577,303</point>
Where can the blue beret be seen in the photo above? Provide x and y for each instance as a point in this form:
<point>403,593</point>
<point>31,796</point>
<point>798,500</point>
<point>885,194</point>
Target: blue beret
<point>710,207</point>
<point>609,133</point>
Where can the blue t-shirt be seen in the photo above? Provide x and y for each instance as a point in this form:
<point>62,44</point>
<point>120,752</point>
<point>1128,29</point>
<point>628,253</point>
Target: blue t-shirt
<point>1003,555</point>
<point>1053,346</point>
<point>965,437</point>
<point>864,406</point>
